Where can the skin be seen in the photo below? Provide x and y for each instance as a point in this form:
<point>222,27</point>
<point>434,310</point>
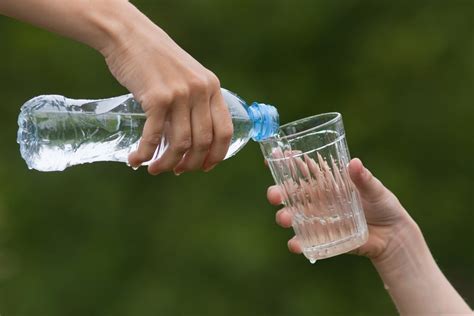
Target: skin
<point>396,248</point>
<point>173,87</point>
<point>170,85</point>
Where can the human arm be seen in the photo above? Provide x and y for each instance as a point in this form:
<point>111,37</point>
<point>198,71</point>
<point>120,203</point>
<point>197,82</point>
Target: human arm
<point>169,84</point>
<point>396,248</point>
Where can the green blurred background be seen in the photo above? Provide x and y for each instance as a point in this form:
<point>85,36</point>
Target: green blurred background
<point>102,239</point>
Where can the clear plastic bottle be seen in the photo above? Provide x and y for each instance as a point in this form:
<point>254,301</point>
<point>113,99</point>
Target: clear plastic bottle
<point>56,132</point>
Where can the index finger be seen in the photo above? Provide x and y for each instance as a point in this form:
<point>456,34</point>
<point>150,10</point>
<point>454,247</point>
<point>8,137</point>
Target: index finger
<point>150,140</point>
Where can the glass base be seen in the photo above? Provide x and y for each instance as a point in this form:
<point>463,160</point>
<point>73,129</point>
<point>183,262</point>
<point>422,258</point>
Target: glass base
<point>335,248</point>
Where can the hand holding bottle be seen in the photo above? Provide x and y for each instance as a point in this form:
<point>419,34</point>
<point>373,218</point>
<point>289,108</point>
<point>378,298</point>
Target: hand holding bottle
<point>170,84</point>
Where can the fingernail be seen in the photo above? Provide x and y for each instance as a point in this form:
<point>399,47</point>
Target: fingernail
<point>178,172</point>
<point>134,167</point>
<point>209,168</point>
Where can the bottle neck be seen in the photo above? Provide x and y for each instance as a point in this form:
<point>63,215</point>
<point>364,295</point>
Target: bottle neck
<point>265,121</point>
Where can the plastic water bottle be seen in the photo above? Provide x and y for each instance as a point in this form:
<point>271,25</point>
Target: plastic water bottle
<point>56,132</point>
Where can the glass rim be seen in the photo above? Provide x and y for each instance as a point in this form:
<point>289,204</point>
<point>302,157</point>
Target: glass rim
<point>337,116</point>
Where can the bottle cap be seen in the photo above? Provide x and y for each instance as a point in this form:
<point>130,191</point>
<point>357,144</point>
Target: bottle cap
<point>265,120</point>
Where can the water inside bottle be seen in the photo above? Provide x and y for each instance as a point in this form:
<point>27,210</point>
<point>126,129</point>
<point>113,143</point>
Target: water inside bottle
<point>55,140</point>
<point>52,141</point>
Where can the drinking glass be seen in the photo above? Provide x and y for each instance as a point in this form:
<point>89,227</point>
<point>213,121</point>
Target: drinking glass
<point>308,159</point>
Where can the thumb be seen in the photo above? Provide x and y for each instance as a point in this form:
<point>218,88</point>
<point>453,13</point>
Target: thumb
<point>369,187</point>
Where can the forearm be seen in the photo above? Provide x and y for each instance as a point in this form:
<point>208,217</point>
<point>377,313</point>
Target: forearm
<point>97,23</point>
<point>414,280</point>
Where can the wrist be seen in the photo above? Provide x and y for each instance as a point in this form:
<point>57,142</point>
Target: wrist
<point>412,277</point>
<point>406,251</point>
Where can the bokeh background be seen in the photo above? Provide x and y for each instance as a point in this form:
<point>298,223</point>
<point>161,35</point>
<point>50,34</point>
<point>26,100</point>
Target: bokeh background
<point>102,239</point>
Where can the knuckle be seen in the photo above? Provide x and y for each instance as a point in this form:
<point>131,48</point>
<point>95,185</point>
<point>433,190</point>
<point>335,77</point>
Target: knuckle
<point>204,83</point>
<point>182,145</point>
<point>199,84</point>
<point>153,139</point>
<point>180,92</point>
<point>204,142</point>
<point>213,81</point>
<point>156,98</point>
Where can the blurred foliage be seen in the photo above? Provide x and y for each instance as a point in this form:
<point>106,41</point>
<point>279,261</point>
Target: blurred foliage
<point>102,239</point>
